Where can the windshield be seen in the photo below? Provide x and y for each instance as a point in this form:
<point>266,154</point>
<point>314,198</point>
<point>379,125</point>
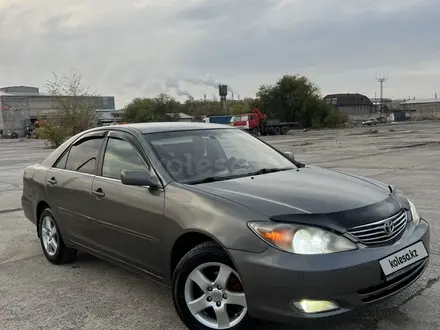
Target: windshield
<point>196,155</point>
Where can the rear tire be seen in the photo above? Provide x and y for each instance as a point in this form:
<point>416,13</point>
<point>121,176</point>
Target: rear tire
<point>51,241</point>
<point>284,130</point>
<point>198,282</point>
<point>277,130</point>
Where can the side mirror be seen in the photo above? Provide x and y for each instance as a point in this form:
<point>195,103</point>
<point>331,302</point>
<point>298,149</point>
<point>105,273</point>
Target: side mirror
<point>138,178</point>
<point>289,155</point>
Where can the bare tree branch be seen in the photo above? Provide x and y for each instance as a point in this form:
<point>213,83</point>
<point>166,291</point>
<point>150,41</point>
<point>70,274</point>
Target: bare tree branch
<point>73,103</point>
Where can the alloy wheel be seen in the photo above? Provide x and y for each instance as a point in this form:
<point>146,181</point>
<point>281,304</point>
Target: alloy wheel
<point>49,235</point>
<point>214,296</point>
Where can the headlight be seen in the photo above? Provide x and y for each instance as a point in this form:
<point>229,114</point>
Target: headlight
<point>415,215</point>
<point>300,239</point>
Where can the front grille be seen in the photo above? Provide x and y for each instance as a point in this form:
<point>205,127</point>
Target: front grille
<point>397,283</point>
<point>382,231</point>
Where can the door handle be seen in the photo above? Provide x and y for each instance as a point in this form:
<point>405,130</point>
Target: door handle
<point>52,181</point>
<point>98,193</point>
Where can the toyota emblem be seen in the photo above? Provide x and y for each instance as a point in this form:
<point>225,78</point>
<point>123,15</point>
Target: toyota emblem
<point>388,227</point>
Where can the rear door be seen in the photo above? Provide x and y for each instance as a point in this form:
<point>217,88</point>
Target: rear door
<point>69,185</point>
<point>129,219</point>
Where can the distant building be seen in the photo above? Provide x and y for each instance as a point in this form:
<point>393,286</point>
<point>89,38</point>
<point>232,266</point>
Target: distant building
<point>180,116</point>
<point>116,116</point>
<point>421,108</point>
<point>107,117</point>
<point>20,89</point>
<point>21,105</point>
<point>356,106</point>
<point>184,117</point>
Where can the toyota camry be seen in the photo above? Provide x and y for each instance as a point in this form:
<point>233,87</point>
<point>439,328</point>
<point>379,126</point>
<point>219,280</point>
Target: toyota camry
<point>237,229</point>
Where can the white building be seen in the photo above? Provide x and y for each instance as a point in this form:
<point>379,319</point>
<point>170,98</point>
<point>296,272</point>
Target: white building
<point>422,108</point>
<point>21,105</point>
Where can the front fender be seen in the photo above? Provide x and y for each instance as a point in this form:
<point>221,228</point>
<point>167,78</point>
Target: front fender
<point>225,222</point>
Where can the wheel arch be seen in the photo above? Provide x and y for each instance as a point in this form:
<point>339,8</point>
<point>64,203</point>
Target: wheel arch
<point>41,206</point>
<point>189,240</point>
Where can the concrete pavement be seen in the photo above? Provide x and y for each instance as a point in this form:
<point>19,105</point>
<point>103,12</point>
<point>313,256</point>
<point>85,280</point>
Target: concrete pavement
<point>93,294</point>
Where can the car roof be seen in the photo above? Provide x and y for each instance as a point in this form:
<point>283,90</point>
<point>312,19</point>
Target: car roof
<point>159,127</point>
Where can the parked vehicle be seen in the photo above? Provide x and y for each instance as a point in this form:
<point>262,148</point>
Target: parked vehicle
<point>29,131</point>
<point>11,135</point>
<point>218,119</point>
<point>369,122</point>
<point>239,230</point>
<point>257,123</point>
<point>30,128</point>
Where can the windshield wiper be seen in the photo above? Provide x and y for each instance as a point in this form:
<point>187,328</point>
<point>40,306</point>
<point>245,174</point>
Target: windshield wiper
<point>209,179</point>
<point>269,170</point>
<point>241,175</point>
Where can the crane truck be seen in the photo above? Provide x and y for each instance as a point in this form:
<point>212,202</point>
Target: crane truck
<point>257,122</point>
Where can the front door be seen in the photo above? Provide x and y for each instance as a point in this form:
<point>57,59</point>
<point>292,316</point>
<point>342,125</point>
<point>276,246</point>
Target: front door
<point>130,218</point>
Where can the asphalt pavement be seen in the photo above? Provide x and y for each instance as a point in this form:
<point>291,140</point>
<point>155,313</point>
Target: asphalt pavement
<point>94,294</point>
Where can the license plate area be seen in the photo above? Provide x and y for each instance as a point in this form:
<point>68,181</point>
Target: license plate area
<point>403,258</point>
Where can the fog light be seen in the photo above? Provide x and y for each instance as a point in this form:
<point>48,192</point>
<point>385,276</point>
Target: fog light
<point>314,306</point>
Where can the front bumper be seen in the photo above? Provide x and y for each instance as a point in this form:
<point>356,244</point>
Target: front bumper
<point>352,279</point>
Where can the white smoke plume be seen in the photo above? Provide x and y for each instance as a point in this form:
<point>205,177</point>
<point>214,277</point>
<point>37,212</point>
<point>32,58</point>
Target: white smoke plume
<point>174,84</point>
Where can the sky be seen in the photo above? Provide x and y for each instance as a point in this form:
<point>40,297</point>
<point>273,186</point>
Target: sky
<point>139,48</point>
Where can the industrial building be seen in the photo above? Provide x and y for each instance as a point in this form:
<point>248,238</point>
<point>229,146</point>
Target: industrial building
<point>107,117</point>
<point>22,105</point>
<point>419,109</point>
<point>183,117</point>
<point>356,106</point>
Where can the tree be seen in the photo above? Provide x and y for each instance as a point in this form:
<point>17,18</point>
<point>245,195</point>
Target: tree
<point>296,98</point>
<point>238,107</point>
<point>160,108</point>
<point>74,108</point>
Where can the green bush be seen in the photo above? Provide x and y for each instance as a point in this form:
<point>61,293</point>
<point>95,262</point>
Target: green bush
<point>335,118</point>
<point>51,132</point>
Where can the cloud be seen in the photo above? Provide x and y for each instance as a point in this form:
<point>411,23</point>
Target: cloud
<point>133,48</point>
<point>329,38</point>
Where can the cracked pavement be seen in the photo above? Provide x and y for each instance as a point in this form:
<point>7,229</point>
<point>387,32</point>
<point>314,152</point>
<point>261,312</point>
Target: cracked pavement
<point>93,294</point>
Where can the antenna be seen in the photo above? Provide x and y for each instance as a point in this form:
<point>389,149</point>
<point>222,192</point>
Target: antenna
<point>381,77</point>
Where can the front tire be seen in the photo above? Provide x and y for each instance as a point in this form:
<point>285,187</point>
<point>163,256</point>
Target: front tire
<point>207,291</point>
<point>51,241</point>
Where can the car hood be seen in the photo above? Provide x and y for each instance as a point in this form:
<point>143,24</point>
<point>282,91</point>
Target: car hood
<point>310,195</point>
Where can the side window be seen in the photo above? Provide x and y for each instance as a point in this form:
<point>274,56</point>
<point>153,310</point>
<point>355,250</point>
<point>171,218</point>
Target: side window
<point>62,161</point>
<point>120,155</point>
<point>83,157</point>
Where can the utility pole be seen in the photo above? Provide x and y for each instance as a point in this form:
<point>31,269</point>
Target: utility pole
<point>434,106</point>
<point>381,78</point>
